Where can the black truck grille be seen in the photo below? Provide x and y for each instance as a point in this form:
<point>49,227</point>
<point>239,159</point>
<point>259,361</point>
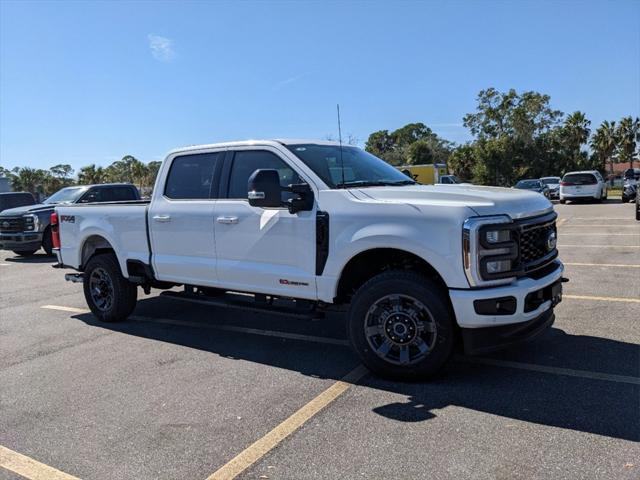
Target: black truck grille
<point>11,224</point>
<point>535,238</point>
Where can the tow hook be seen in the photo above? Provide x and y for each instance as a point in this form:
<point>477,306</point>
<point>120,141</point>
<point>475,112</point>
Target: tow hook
<point>74,277</point>
<point>564,279</point>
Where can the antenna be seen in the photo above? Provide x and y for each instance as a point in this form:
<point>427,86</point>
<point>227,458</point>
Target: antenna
<point>340,141</point>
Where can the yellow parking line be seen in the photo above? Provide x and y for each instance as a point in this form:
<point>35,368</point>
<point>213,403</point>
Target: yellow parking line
<point>29,468</point>
<point>616,265</point>
<point>261,447</point>
<point>601,299</point>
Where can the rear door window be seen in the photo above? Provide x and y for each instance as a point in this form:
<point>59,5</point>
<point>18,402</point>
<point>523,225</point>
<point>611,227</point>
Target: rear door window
<point>193,177</point>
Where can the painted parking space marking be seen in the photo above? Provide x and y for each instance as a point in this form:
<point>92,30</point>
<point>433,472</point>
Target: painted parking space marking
<point>572,225</point>
<point>616,265</point>
<point>601,299</point>
<point>554,370</point>
<point>582,234</point>
<point>264,445</point>
<point>598,246</point>
<point>29,468</point>
<point>65,309</point>
<point>344,343</point>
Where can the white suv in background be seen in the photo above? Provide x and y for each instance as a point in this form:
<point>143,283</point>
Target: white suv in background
<point>583,185</point>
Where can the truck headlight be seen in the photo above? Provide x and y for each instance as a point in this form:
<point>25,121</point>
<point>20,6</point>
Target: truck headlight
<point>497,236</point>
<point>31,223</point>
<point>490,249</point>
<point>498,266</point>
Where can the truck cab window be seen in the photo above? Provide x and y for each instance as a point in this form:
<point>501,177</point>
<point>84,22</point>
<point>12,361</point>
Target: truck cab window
<point>248,161</point>
<point>191,176</point>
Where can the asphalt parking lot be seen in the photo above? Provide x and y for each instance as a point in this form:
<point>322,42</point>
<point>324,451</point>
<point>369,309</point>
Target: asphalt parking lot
<point>186,391</point>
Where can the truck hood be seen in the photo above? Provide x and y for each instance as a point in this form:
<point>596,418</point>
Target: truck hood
<point>482,200</point>
<point>41,207</point>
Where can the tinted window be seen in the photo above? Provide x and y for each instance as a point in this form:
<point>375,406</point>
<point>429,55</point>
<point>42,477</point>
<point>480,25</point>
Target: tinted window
<point>116,194</point>
<point>247,162</point>
<point>14,200</point>
<point>579,179</point>
<point>550,180</point>
<point>191,176</point>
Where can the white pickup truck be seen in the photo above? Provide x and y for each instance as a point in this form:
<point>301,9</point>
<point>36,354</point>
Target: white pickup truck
<point>316,225</point>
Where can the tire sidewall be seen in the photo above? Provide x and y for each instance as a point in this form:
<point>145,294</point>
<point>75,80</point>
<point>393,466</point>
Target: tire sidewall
<point>422,289</point>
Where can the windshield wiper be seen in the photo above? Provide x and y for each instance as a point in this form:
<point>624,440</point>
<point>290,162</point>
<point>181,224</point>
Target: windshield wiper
<point>374,183</point>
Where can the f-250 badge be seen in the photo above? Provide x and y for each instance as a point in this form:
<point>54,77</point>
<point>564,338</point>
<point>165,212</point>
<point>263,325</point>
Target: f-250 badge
<point>67,218</point>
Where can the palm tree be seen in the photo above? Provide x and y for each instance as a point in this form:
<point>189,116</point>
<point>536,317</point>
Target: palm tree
<point>91,175</point>
<point>628,133</point>
<point>604,143</point>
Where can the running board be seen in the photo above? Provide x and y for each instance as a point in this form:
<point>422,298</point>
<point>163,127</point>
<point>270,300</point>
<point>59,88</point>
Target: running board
<point>251,303</point>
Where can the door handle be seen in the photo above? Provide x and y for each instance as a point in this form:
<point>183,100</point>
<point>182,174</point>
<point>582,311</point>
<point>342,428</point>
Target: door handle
<point>162,218</point>
<point>227,220</point>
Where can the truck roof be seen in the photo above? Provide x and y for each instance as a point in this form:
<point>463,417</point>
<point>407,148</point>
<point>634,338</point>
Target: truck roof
<point>272,142</point>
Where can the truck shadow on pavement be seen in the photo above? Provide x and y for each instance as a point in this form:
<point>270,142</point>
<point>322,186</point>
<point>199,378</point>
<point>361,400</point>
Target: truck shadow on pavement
<point>36,258</point>
<point>602,407</point>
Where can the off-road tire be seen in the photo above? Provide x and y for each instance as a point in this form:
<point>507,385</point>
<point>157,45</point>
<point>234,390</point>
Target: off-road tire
<point>47,242</point>
<point>424,290</point>
<point>124,293</point>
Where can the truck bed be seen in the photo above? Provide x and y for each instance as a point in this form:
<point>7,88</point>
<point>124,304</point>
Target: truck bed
<point>122,224</point>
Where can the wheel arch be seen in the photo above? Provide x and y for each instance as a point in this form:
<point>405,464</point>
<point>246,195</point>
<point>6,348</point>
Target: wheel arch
<point>93,245</point>
<point>366,264</point>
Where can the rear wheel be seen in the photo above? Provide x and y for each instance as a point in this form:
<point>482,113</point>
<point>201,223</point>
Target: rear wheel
<point>109,295</point>
<point>400,326</point>
<point>47,242</point>
<point>24,253</point>
<point>563,201</point>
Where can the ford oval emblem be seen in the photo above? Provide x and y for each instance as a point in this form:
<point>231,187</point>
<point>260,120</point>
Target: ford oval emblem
<point>552,241</point>
<point>6,224</point>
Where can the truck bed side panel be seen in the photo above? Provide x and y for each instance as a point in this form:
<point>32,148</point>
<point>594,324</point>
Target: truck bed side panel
<point>122,226</point>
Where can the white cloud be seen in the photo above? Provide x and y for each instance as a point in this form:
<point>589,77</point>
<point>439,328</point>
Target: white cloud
<point>161,48</point>
<point>288,81</point>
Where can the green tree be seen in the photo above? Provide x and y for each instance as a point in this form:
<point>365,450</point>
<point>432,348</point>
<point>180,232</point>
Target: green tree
<point>573,134</point>
<point>628,135</point>
<point>91,174</point>
<point>604,143</point>
<point>419,152</point>
<point>462,161</point>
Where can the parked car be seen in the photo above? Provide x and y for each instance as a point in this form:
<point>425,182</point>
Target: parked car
<point>25,229</point>
<point>583,186</point>
<point>448,179</point>
<point>15,199</point>
<point>533,185</point>
<point>630,185</point>
<point>553,184</point>
<point>418,267</point>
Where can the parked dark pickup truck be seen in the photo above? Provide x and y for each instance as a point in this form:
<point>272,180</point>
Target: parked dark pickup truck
<point>25,229</point>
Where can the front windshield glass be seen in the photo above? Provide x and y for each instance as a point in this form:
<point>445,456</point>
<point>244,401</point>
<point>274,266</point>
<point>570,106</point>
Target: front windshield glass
<point>361,169</point>
<point>528,184</point>
<point>66,195</point>
<point>550,180</point>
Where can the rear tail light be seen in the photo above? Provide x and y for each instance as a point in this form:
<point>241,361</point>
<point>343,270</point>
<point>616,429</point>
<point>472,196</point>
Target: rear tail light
<point>55,230</point>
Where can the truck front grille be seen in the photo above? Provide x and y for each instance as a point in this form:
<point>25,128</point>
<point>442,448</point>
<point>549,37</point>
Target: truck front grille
<point>11,224</point>
<point>536,236</point>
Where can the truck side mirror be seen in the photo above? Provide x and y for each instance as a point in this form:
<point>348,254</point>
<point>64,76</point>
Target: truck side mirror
<point>303,200</point>
<point>264,189</point>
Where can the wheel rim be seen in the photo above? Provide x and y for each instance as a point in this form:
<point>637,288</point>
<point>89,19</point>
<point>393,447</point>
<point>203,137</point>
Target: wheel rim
<point>101,289</point>
<point>400,329</point>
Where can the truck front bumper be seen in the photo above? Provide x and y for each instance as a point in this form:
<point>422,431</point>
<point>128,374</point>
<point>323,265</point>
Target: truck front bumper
<point>21,241</point>
<point>526,300</point>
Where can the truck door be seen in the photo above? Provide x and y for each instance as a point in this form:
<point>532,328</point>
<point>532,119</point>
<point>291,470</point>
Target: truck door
<point>181,220</point>
<point>263,250</point>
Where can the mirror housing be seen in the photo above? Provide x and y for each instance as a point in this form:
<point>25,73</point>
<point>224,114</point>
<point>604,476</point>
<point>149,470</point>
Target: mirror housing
<point>304,199</point>
<point>264,189</point>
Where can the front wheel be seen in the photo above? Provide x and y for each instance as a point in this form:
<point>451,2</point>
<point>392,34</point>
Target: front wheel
<point>47,242</point>
<point>400,326</point>
<point>109,295</point>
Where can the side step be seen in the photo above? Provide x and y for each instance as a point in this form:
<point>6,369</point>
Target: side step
<point>256,303</point>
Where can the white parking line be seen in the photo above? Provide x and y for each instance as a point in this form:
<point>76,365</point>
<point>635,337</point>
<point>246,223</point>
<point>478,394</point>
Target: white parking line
<point>582,234</point>
<point>601,299</point>
<point>600,265</point>
<point>343,343</point>
<point>599,225</point>
<point>598,246</point>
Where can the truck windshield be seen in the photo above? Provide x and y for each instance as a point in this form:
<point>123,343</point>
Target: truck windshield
<point>353,168</point>
<point>66,195</point>
<point>550,180</point>
<point>528,184</point>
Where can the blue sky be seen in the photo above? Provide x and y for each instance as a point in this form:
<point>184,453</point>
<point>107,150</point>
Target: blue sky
<point>88,82</point>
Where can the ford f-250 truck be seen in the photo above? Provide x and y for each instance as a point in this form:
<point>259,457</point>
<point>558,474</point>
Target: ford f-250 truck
<point>318,225</point>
